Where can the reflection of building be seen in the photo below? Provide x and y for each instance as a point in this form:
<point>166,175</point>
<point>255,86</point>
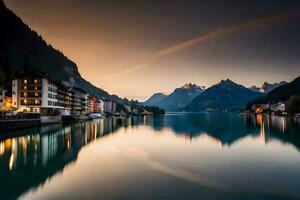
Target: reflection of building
<point>279,123</point>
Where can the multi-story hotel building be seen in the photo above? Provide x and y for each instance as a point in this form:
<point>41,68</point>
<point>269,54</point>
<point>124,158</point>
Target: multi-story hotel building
<point>109,106</point>
<point>64,97</point>
<point>89,103</point>
<point>78,101</point>
<point>36,93</point>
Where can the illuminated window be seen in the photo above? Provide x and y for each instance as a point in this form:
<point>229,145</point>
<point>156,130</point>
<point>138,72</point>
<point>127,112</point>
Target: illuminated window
<point>25,87</point>
<point>25,101</point>
<point>25,80</point>
<point>25,94</point>
<point>35,81</point>
<point>36,101</point>
<point>35,88</point>
<point>36,94</point>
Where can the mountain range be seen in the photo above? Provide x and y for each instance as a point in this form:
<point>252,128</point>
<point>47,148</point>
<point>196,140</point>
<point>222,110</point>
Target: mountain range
<point>223,96</point>
<point>267,87</point>
<point>281,93</point>
<point>23,49</point>
<point>155,99</point>
<point>178,99</point>
<point>226,95</point>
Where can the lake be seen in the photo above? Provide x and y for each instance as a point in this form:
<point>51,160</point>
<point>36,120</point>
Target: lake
<point>176,156</point>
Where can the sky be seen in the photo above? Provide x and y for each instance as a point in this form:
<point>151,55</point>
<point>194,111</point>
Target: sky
<point>137,48</point>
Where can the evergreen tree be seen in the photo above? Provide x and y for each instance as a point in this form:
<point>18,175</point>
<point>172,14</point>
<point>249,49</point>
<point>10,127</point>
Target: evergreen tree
<point>293,105</point>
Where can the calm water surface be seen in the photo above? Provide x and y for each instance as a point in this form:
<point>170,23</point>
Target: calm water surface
<point>178,156</point>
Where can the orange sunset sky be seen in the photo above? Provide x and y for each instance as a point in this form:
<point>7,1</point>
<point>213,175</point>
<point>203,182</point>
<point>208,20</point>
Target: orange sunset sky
<point>139,48</point>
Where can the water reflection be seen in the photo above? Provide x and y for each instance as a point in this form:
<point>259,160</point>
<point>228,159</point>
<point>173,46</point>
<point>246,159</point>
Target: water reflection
<point>34,155</point>
<point>27,160</point>
<point>228,128</point>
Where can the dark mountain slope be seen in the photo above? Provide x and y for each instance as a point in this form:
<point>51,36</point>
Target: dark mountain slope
<point>225,95</point>
<point>23,49</point>
<point>155,99</point>
<point>281,93</point>
<point>180,97</point>
<point>267,87</point>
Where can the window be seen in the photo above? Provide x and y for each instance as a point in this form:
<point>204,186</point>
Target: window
<point>36,94</point>
<point>35,88</point>
<point>25,101</point>
<point>25,80</point>
<point>36,101</point>
<point>25,87</point>
<point>25,94</point>
<point>35,81</point>
<point>14,93</point>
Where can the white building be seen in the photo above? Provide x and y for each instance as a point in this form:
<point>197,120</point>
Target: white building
<point>101,106</point>
<point>36,93</point>
<point>278,107</point>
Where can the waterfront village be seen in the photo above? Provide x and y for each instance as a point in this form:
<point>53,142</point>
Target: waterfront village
<point>279,108</point>
<point>35,98</point>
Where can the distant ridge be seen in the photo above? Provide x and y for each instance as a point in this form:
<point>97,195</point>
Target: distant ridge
<point>180,97</point>
<point>267,87</point>
<point>226,95</point>
<point>155,99</point>
<point>281,93</point>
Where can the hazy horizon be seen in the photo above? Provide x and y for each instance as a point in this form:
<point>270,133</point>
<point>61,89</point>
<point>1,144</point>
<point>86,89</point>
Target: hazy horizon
<point>135,49</point>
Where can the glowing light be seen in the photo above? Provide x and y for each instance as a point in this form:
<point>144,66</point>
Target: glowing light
<point>11,161</point>
<point>2,149</point>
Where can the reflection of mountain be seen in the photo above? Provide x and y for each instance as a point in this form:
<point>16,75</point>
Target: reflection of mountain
<point>226,127</point>
<point>231,127</point>
<point>27,161</point>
